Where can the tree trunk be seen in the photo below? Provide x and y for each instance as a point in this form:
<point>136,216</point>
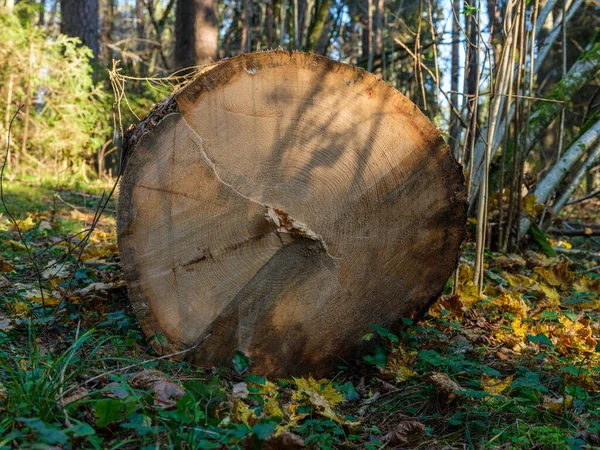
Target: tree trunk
<point>79,18</point>
<point>140,24</point>
<point>367,31</point>
<point>196,32</point>
<point>317,25</point>
<point>593,157</point>
<point>454,123</point>
<point>551,181</point>
<point>280,204</point>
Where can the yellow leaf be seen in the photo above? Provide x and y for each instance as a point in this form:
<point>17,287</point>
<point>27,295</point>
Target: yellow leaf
<point>518,281</point>
<point>243,413</point>
<point>531,206</point>
<point>26,225</point>
<point>20,308</point>
<point>321,395</point>
<point>513,303</point>
<point>399,364</point>
<point>556,275</point>
<point>493,385</point>
<point>5,266</point>
<point>586,284</point>
<point>551,294</point>
<point>271,408</point>
<point>557,404</point>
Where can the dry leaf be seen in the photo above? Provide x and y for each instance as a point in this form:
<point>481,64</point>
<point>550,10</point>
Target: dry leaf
<point>240,391</point>
<point>5,325</point>
<point>45,226</point>
<point>513,303</point>
<point>5,266</point>
<point>408,434</point>
<point>79,393</point>
<point>26,225</point>
<point>449,389</point>
<point>166,392</point>
<point>55,269</point>
<point>284,440</point>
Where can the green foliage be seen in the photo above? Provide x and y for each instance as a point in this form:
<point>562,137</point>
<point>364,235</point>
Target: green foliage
<point>69,114</point>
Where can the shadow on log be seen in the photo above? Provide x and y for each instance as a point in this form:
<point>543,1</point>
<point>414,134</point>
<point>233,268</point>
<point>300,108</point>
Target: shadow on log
<point>281,203</point>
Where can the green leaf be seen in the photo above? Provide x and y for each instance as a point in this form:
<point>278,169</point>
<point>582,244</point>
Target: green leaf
<point>109,410</point>
<point>368,336</point>
<point>241,362</point>
<point>46,432</point>
<point>264,428</point>
<point>348,391</point>
<point>549,315</point>
<point>540,339</point>
<point>385,333</point>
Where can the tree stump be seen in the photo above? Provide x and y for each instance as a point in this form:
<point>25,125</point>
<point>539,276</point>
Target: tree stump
<point>278,205</point>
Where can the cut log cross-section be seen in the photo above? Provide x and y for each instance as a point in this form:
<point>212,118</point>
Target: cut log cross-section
<point>278,205</point>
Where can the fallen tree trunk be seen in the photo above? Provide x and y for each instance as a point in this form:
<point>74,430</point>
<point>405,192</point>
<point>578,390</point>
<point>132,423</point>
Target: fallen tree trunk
<point>278,205</point>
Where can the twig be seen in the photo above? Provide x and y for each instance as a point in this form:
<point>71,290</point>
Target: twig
<point>10,215</point>
<point>585,197</point>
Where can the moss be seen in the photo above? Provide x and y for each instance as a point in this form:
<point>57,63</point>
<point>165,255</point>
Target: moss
<point>542,437</point>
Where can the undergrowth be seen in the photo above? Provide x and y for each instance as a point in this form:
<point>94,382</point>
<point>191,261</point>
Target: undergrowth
<point>514,369</point>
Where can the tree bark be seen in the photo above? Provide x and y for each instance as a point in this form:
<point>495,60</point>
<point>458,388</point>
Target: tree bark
<point>79,18</point>
<point>318,24</point>
<point>591,160</point>
<point>367,33</point>
<point>280,204</point>
<point>454,123</point>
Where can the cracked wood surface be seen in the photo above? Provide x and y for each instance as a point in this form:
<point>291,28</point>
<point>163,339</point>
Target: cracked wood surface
<point>281,203</point>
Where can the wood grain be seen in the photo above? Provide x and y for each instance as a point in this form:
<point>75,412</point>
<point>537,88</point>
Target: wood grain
<point>283,202</point>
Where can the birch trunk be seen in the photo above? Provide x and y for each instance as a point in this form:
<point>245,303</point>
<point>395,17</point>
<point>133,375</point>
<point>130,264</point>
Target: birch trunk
<point>583,171</point>
<point>551,181</point>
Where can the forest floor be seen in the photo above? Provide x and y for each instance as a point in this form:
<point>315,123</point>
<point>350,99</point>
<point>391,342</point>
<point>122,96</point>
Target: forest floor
<point>518,368</point>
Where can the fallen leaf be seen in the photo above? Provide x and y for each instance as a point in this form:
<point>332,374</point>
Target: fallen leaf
<point>45,226</point>
<point>284,440</point>
<point>556,275</point>
<point>79,393</point>
<point>166,392</point>
<point>494,385</point>
<point>55,269</point>
<point>240,391</point>
<point>407,434</point>
<point>511,302</point>
<point>26,225</point>
<point>5,325</point>
<point>557,404</point>
<point>5,266</point>
<point>448,389</point>
<point>321,394</point>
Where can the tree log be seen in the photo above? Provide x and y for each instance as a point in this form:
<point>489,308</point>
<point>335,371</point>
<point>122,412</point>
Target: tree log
<point>278,205</point>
